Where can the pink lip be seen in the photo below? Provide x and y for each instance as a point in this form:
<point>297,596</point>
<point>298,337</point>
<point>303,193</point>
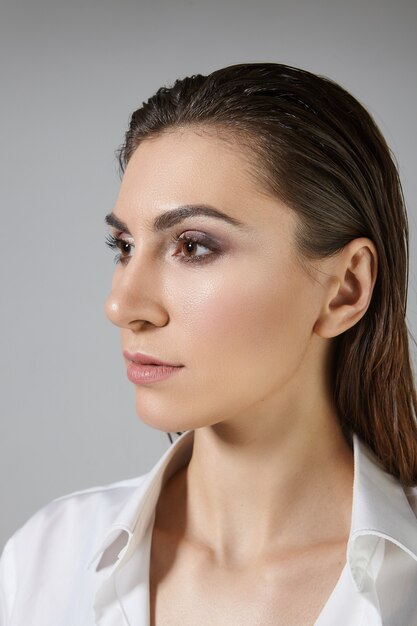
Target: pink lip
<point>145,369</point>
<point>146,359</point>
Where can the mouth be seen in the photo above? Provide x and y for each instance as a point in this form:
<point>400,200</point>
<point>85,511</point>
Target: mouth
<point>146,373</point>
<point>140,358</point>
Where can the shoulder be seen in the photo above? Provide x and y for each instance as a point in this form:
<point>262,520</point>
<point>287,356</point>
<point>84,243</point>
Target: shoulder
<point>49,553</point>
<point>81,508</point>
<point>75,519</point>
<point>411,494</point>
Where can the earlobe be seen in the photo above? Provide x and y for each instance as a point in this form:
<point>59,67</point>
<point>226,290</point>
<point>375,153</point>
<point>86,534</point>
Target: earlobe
<point>349,293</point>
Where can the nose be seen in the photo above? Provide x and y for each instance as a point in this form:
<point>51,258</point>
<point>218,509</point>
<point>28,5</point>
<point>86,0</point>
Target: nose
<point>135,298</point>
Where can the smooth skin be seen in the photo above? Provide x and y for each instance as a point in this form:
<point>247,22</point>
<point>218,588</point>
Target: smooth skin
<point>254,529</point>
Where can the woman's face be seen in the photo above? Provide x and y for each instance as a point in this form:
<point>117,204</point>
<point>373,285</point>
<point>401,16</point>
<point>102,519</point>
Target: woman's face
<point>236,309</point>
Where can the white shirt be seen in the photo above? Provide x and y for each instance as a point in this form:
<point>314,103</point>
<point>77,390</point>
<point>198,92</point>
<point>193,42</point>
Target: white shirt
<point>83,559</point>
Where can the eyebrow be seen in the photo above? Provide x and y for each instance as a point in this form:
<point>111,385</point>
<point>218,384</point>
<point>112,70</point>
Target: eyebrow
<point>171,218</point>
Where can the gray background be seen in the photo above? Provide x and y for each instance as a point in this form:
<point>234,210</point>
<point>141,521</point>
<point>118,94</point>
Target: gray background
<point>72,72</point>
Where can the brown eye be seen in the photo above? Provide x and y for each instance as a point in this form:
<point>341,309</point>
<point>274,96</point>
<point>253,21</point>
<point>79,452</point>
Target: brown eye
<point>192,245</point>
<point>124,247</point>
<point>189,247</point>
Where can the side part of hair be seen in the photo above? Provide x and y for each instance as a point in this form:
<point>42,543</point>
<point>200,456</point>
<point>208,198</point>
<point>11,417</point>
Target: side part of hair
<point>319,151</point>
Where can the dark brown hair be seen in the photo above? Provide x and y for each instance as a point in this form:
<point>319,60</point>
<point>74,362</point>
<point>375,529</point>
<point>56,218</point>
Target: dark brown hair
<point>318,150</point>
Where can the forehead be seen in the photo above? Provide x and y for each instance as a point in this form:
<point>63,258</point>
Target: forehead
<point>185,166</point>
<point>189,160</point>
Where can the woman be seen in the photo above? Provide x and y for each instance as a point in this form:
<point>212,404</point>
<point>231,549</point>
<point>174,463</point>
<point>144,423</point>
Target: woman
<point>260,289</point>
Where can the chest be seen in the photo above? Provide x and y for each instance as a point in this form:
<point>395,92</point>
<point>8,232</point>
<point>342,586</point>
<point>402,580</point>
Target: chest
<point>187,588</point>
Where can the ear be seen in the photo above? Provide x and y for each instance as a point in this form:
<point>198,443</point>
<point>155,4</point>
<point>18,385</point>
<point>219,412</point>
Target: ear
<point>350,288</point>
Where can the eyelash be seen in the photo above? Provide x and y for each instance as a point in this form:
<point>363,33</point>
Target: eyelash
<point>116,242</point>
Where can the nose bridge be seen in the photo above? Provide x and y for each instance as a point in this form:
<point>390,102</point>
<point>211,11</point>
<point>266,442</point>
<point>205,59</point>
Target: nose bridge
<point>136,294</point>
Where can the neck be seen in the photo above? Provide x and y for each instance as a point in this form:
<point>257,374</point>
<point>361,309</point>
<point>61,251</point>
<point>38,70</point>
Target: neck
<point>275,478</point>
<point>248,494</point>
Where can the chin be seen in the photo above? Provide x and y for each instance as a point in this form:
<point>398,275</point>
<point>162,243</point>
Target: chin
<point>163,420</point>
<point>172,414</point>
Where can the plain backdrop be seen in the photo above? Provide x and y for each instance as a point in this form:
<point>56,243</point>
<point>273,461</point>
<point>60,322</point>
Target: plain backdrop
<point>72,72</point>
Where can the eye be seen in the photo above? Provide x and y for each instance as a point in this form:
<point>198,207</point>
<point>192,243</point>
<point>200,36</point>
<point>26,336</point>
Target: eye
<point>189,246</point>
<point>191,243</point>
<point>123,245</point>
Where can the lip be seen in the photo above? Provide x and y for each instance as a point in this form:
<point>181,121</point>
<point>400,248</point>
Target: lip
<point>146,359</point>
<point>139,373</point>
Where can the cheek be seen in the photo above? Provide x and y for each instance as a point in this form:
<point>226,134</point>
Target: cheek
<point>254,314</point>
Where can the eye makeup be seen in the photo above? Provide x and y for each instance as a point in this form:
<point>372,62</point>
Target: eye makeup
<point>186,242</point>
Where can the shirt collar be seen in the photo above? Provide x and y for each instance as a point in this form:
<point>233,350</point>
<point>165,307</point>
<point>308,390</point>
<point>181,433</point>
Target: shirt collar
<point>135,516</point>
<point>380,509</point>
